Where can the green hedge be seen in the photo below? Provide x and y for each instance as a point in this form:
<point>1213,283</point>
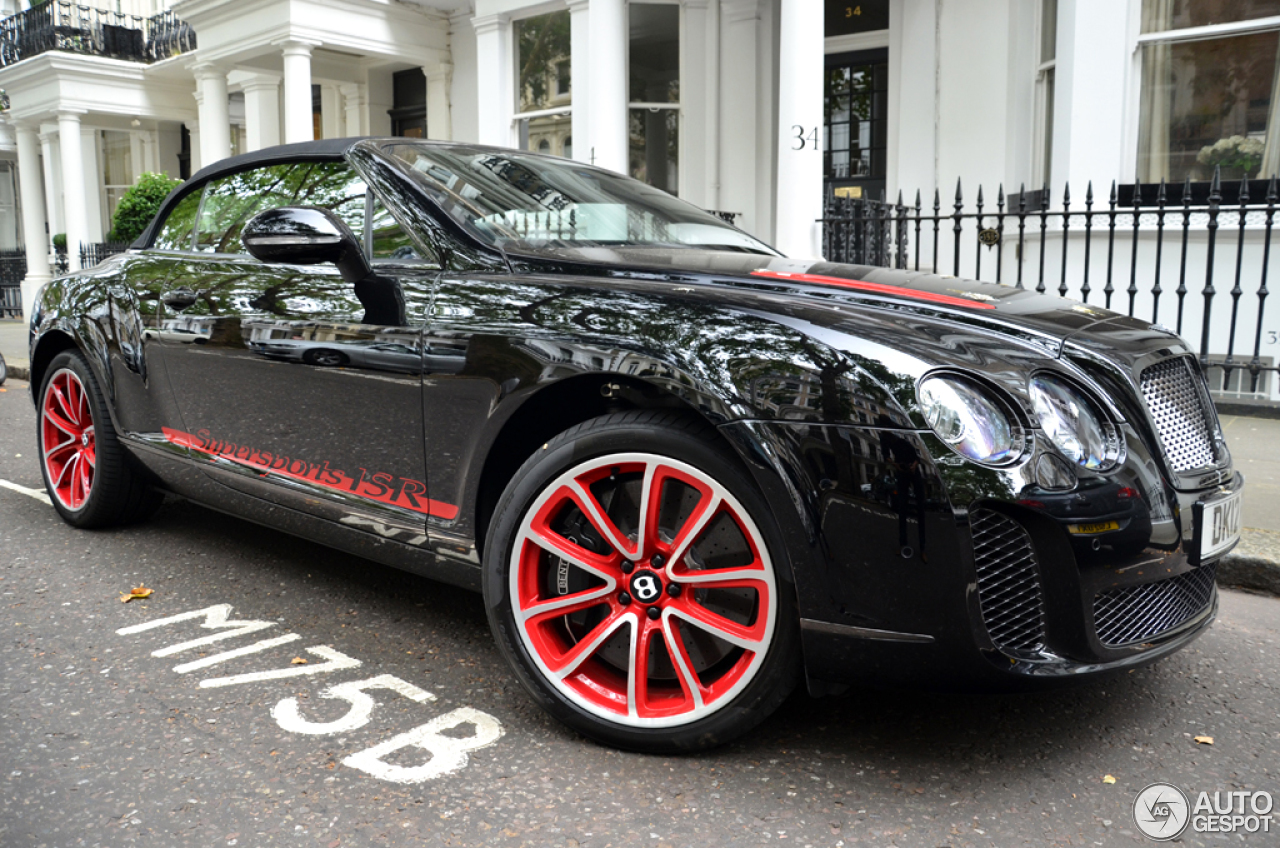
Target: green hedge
<point>139,205</point>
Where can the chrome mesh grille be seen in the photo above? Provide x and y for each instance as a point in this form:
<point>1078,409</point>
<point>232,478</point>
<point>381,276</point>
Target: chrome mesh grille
<point>1008,582</point>
<point>1172,391</point>
<point>1138,613</point>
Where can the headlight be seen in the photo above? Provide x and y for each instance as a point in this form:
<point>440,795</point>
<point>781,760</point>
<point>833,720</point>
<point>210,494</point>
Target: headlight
<point>1074,424</point>
<point>970,420</point>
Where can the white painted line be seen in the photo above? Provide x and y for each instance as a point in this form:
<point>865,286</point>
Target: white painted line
<point>23,490</point>
<point>448,753</point>
<point>238,652</point>
<point>288,717</point>
<point>337,661</point>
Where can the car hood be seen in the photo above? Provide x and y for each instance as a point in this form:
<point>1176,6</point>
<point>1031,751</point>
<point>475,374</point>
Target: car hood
<point>1045,320</point>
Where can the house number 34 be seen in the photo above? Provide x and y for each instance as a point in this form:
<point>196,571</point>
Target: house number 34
<point>804,137</point>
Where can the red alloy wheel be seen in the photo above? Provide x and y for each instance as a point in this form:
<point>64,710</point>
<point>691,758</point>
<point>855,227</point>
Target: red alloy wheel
<point>643,590</point>
<point>67,439</point>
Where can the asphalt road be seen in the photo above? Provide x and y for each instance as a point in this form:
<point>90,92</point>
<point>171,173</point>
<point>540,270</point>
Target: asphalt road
<point>104,743</point>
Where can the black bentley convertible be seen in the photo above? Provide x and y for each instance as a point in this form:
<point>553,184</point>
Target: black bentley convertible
<point>685,470</point>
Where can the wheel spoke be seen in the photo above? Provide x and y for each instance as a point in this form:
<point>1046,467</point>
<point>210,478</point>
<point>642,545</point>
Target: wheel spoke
<point>723,578</point>
<point>606,568</point>
<point>680,659</point>
<point>750,638</point>
<point>86,477</point>
<point>603,525</point>
<point>60,395</point>
<point>66,467</point>
<point>58,448</point>
<point>579,653</point>
<point>638,666</point>
<point>62,423</point>
<point>567,605</point>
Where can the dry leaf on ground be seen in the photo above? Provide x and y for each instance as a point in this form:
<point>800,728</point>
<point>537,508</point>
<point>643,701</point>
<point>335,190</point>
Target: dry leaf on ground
<point>1108,779</point>
<point>1205,740</point>
<point>299,661</point>
<point>135,594</point>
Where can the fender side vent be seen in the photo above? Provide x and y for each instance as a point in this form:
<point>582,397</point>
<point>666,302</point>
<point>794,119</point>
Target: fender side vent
<point>1009,591</point>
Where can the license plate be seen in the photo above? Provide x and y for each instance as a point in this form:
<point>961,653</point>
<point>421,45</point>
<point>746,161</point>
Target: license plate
<point>1102,527</point>
<point>1219,525</point>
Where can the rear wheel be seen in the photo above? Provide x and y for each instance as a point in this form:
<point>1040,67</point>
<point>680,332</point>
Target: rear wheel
<point>86,471</point>
<point>635,581</point>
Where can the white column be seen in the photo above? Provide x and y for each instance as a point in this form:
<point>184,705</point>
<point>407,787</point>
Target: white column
<point>608,97</point>
<point>331,119</point>
<point>354,104</point>
<point>495,79</point>
<point>693,103</point>
<point>298,124</point>
<point>73,184</point>
<point>580,76</point>
<point>94,207</point>
<point>738,110</point>
<point>50,155</point>
<point>33,223</point>
<point>800,120</point>
<point>137,155</point>
<point>215,117</point>
<point>439,117</point>
<point>261,111</point>
<point>193,130</point>
<point>150,158</point>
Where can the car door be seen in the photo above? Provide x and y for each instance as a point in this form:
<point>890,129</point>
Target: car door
<point>266,360</point>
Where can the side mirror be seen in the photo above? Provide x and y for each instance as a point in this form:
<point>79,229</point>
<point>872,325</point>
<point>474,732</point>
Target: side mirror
<point>305,235</point>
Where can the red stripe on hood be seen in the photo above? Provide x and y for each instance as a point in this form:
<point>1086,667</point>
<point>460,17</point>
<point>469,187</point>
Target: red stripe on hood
<point>875,288</point>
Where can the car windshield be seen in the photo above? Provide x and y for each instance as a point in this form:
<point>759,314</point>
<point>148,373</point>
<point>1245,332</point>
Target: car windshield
<point>524,202</point>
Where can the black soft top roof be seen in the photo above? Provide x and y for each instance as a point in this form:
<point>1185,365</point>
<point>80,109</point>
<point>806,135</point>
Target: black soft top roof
<point>327,148</point>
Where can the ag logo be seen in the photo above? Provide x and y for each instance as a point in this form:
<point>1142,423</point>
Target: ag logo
<point>1161,811</point>
<point>646,587</point>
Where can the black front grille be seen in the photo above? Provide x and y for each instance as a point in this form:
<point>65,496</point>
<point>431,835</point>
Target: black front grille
<point>1138,613</point>
<point>1174,395</point>
<point>1008,582</point>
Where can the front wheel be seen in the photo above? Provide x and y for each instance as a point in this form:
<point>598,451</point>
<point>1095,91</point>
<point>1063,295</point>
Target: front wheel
<point>636,582</point>
<point>90,479</point>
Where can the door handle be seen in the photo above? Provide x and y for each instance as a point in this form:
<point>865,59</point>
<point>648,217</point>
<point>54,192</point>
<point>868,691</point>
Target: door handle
<point>179,298</point>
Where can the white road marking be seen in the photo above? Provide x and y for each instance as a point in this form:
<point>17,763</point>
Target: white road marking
<point>448,753</point>
<point>336,662</point>
<point>205,662</point>
<point>31,493</point>
<point>214,617</point>
<point>288,717</point>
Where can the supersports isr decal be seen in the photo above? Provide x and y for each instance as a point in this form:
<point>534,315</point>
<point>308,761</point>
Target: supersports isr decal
<point>391,489</point>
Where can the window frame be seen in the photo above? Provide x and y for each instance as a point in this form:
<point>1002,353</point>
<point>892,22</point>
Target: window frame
<point>1138,40</point>
<point>365,237</point>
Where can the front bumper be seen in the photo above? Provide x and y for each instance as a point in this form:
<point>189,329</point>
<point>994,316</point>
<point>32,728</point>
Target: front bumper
<point>894,590</point>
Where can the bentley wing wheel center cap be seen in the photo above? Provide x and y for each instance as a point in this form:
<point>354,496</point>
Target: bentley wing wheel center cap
<point>646,587</point>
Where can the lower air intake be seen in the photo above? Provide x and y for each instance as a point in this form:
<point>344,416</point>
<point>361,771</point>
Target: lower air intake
<point>1138,613</point>
<point>1008,582</point>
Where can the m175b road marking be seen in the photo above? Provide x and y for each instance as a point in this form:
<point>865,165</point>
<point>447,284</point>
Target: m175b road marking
<point>449,753</point>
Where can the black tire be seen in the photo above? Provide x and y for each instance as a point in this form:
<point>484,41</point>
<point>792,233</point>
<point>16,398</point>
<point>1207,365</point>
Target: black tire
<point>651,439</point>
<point>118,493</point>
<point>324,357</point>
<point>4,370</point>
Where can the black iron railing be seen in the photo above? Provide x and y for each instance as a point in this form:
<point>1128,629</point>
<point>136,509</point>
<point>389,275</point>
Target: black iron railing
<point>92,254</point>
<point>1158,252</point>
<point>73,28</point>
<point>13,269</point>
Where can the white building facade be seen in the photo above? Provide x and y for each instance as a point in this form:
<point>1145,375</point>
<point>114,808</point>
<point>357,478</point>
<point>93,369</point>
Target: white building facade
<point>761,108</point>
